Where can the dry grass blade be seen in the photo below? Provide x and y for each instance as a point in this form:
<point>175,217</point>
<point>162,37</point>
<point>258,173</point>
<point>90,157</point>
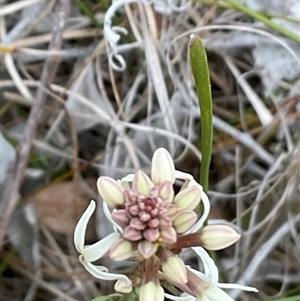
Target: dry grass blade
<point>157,78</point>
<point>263,252</point>
<point>18,5</point>
<point>104,122</point>
<point>11,193</point>
<point>45,285</point>
<point>263,113</point>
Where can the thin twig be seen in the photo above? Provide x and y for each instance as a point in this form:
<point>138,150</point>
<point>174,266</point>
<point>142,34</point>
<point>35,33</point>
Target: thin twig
<point>15,177</point>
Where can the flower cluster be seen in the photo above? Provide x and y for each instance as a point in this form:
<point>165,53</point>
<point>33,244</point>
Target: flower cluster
<point>152,225</point>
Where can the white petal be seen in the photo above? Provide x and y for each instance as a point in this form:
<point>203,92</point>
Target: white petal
<point>107,213</point>
<point>98,249</point>
<point>237,286</point>
<point>213,293</point>
<point>206,207</point>
<point>210,268</point>
<point>183,175</point>
<point>99,267</point>
<point>128,178</point>
<point>122,286</point>
<point>80,229</point>
<point>100,272</point>
<point>201,275</point>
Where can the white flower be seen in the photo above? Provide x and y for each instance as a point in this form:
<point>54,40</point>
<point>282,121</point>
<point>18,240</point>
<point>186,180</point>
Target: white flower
<point>152,225</point>
<point>169,214</point>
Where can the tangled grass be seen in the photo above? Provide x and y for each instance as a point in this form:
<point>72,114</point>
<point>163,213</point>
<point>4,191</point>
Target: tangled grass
<point>72,117</point>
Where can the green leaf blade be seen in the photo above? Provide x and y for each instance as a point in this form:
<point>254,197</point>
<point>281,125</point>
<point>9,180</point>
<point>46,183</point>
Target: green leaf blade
<point>200,70</point>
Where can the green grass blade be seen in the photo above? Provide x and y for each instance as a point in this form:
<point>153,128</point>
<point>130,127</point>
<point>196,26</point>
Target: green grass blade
<point>200,70</point>
<point>256,15</point>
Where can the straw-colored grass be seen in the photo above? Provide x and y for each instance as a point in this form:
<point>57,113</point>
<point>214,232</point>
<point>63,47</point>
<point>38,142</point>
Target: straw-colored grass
<point>71,117</point>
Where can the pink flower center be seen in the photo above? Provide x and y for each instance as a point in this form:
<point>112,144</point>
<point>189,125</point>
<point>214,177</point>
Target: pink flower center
<point>142,217</point>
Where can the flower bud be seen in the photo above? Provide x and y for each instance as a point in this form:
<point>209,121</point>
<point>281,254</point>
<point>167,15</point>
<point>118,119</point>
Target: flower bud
<point>162,168</point>
<point>173,211</point>
<point>120,217</point>
<point>142,183</point>
<point>151,234</point>
<point>147,248</point>
<point>168,236</point>
<point>175,270</point>
<point>165,222</point>
<point>121,250</point>
<point>188,198</point>
<point>122,286</point>
<point>111,191</point>
<point>217,237</point>
<point>131,234</point>
<point>184,221</point>
<point>151,292</point>
<point>164,190</point>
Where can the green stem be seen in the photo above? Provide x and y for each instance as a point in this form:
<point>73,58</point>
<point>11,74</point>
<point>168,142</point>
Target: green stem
<point>256,15</point>
<point>200,71</point>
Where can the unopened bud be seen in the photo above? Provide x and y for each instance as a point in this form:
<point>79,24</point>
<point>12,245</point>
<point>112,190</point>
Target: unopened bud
<point>111,191</point>
<point>175,270</point>
<point>121,250</point>
<point>217,237</point>
<point>151,292</point>
<point>184,221</point>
